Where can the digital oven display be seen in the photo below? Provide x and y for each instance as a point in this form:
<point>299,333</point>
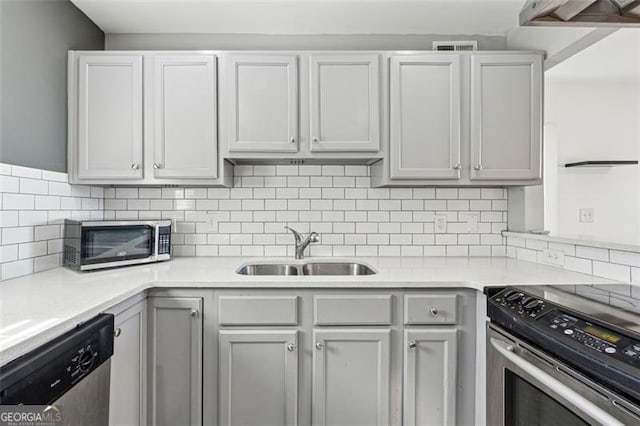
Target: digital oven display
<point>604,335</point>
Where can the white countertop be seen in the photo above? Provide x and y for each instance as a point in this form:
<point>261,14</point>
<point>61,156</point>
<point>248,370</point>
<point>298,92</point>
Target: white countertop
<point>36,308</point>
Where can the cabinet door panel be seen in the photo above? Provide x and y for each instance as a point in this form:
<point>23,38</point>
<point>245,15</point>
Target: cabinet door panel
<point>345,103</point>
<point>176,359</point>
<point>263,103</point>
<point>258,377</point>
<point>185,119</point>
<point>351,376</point>
<point>128,366</point>
<point>506,116</point>
<point>425,117</point>
<point>430,363</point>
<point>109,117</point>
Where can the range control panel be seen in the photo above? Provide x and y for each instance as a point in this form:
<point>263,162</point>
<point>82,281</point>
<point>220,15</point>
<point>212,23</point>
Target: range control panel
<point>563,325</point>
<point>520,303</point>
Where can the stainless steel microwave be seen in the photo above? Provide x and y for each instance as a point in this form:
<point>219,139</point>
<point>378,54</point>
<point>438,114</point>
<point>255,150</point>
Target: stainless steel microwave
<point>106,244</point>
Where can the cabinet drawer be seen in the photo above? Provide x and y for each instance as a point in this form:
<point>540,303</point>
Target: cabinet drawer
<point>357,309</point>
<point>430,309</point>
<point>256,310</point>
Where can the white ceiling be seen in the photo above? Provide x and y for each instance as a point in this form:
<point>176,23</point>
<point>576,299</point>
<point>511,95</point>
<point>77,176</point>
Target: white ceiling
<point>484,17</point>
<point>613,59</point>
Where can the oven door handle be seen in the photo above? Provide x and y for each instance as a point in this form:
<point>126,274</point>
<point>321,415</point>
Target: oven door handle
<point>571,396</point>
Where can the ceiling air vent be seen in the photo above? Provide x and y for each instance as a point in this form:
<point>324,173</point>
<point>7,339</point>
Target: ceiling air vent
<point>455,46</point>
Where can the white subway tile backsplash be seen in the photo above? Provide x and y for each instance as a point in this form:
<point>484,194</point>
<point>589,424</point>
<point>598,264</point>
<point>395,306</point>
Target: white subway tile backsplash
<point>624,257</point>
<point>334,200</point>
<point>613,271</point>
<point>34,206</point>
<point>593,253</point>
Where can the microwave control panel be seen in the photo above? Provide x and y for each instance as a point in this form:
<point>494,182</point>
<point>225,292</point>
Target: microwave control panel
<point>164,240</point>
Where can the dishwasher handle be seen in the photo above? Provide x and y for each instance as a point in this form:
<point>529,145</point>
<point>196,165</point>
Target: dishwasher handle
<point>571,396</point>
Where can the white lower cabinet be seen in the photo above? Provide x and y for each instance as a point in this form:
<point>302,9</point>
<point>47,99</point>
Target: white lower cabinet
<point>351,375</point>
<point>176,327</point>
<point>430,367</point>
<point>128,367</point>
<point>310,357</point>
<point>258,377</point>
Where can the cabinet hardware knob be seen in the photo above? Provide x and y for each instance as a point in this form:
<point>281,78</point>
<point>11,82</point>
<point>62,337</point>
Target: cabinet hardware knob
<point>319,345</point>
<point>457,167</point>
<point>434,312</point>
<point>156,165</point>
<point>314,139</point>
<point>117,332</point>
<point>291,347</point>
<point>135,166</point>
<point>477,167</point>
<point>194,313</point>
<point>292,140</point>
<point>412,344</point>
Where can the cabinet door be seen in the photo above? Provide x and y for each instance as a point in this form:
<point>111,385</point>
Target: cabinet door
<point>128,367</point>
<point>506,117</point>
<point>109,117</point>
<point>185,121</point>
<point>430,363</point>
<point>176,361</point>
<point>351,369</point>
<point>263,103</point>
<point>425,117</point>
<point>345,103</point>
<point>258,377</point>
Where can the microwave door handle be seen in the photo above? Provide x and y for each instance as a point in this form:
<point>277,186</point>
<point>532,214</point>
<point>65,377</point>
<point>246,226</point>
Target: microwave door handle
<point>571,396</point>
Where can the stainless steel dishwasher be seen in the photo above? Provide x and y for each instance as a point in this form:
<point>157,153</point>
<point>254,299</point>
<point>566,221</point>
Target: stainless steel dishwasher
<point>70,373</point>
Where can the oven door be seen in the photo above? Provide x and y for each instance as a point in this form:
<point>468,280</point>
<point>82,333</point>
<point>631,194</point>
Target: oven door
<point>117,243</point>
<point>526,387</point>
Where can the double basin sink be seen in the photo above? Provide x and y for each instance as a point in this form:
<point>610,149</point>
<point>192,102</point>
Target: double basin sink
<point>309,268</point>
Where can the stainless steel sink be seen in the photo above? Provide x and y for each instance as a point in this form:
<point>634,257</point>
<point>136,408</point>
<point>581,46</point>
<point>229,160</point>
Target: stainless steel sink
<point>268,269</point>
<point>310,268</point>
<point>336,269</point>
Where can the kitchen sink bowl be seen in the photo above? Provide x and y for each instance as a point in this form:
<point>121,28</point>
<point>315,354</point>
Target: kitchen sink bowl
<point>310,268</point>
<point>336,269</point>
<point>268,269</point>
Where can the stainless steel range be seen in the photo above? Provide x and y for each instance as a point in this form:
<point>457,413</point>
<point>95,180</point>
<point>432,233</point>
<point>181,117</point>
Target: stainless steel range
<point>554,358</point>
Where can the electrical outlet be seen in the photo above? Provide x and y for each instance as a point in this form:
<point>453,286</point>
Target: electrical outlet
<point>441,223</point>
<point>586,215</point>
<point>212,222</point>
<point>552,257</point>
<point>472,222</point>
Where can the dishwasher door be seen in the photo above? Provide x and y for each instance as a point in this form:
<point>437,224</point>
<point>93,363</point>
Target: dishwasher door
<point>87,403</point>
<point>70,375</point>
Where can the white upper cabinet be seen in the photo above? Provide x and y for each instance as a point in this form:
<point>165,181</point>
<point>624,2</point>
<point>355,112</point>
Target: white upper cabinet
<point>262,102</point>
<point>109,117</point>
<point>184,108</point>
<point>345,102</point>
<point>425,117</point>
<point>506,117</point>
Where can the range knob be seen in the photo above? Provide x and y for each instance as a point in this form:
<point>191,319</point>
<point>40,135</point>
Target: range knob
<point>513,296</point>
<point>531,304</point>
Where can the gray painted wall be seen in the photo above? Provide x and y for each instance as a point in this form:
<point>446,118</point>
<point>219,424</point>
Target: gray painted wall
<point>34,38</point>
<point>294,42</point>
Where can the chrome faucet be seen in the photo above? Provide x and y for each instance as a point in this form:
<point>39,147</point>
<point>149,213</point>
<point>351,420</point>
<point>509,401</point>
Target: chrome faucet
<point>302,244</point>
